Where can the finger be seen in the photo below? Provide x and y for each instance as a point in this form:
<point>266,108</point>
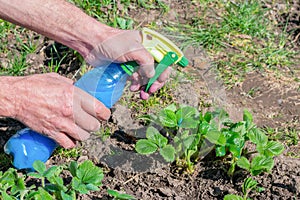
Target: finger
<point>85,121</point>
<point>165,75</point>
<point>154,87</point>
<point>73,130</point>
<point>146,68</point>
<point>93,107</point>
<point>63,140</point>
<point>135,83</point>
<point>145,61</point>
<point>144,95</point>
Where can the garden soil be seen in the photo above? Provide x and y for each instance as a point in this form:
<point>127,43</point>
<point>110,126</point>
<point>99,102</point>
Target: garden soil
<point>274,102</point>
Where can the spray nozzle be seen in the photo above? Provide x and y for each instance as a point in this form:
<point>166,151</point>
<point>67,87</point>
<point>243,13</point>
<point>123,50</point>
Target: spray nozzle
<point>164,52</point>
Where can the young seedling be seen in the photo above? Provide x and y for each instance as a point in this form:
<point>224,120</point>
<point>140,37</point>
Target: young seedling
<point>248,185</point>
<point>119,196</point>
<point>181,140</point>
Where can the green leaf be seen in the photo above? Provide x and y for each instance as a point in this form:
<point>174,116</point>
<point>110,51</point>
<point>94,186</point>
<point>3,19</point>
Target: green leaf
<point>186,112</point>
<point>177,144</point>
<point>52,188</point>
<point>113,193</point>
<point>92,187</point>
<point>204,127</point>
<point>19,185</point>
<point>168,118</point>
<point>188,141</point>
<point>239,127</point>
<point>222,140</point>
<point>154,136</point>
<point>232,197</point>
<point>65,196</point>
<point>171,107</point>
<point>213,136</point>
<point>145,147</point>
<point>168,153</point>
<point>6,196</point>
<point>44,194</point>
<point>79,186</point>
<point>51,171</point>
<point>125,197</point>
<point>220,151</point>
<point>249,184</point>
<point>236,144</point>
<point>257,137</point>
<point>87,172</point>
<point>35,175</point>
<point>39,166</point>
<point>207,116</point>
<point>58,181</point>
<point>243,163</point>
<point>188,123</point>
<point>73,168</point>
<point>247,117</point>
<point>261,163</point>
<point>118,195</point>
<point>273,148</point>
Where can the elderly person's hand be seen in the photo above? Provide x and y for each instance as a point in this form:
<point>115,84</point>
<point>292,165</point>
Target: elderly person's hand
<point>50,104</point>
<point>122,46</point>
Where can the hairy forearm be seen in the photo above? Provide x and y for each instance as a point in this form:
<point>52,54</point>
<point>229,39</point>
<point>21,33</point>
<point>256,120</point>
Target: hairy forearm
<point>58,20</point>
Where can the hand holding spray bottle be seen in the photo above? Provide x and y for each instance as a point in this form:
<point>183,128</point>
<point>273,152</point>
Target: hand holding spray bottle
<point>106,83</point>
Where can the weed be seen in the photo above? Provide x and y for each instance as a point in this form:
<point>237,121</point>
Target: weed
<point>289,136</point>
<point>73,153</point>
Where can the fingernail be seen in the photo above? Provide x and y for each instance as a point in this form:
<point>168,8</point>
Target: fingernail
<point>69,145</point>
<point>144,95</point>
<point>105,114</point>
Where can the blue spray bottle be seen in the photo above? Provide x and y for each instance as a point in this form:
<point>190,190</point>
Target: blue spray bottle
<point>104,83</point>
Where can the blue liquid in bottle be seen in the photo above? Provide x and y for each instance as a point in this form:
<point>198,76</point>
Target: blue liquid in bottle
<point>104,83</point>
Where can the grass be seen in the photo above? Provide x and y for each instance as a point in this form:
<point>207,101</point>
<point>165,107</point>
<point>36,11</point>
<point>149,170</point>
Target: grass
<point>68,154</point>
<point>239,40</point>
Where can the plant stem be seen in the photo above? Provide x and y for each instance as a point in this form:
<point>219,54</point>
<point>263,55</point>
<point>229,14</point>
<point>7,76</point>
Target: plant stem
<point>43,182</point>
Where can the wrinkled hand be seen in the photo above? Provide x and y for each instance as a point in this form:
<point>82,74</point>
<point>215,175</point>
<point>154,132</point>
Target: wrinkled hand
<point>51,105</point>
<point>125,45</point>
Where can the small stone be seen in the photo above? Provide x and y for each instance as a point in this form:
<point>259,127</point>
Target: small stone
<point>81,159</point>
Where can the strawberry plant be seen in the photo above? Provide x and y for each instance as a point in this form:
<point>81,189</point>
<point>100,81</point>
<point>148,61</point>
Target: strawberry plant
<point>181,138</point>
<point>85,177</point>
<point>186,134</point>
